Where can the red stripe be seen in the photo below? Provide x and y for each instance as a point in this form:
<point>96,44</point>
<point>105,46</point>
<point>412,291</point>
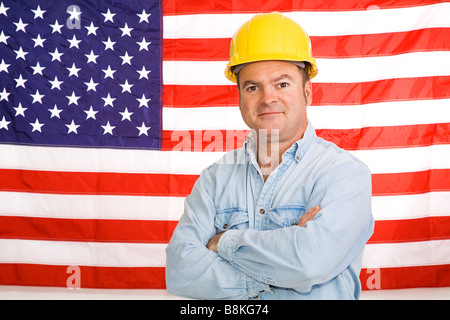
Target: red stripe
<point>203,140</point>
<point>181,96</point>
<point>154,278</point>
<point>433,39</point>
<point>411,182</point>
<point>90,277</point>
<point>423,229</point>
<point>101,230</point>
<point>388,137</point>
<point>142,231</point>
<point>96,183</point>
<point>348,139</point>
<point>178,7</point>
<point>181,185</point>
<point>405,277</point>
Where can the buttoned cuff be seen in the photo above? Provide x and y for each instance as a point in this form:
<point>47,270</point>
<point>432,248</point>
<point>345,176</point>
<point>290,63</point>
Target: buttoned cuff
<point>228,244</point>
<point>226,248</point>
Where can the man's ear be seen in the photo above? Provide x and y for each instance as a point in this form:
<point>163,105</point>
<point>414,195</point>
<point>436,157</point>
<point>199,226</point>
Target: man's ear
<point>308,92</point>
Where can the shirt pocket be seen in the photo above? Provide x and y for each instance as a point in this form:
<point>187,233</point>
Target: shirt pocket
<point>286,216</point>
<point>233,218</point>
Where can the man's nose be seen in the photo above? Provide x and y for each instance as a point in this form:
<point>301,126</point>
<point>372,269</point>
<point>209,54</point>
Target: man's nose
<point>268,95</point>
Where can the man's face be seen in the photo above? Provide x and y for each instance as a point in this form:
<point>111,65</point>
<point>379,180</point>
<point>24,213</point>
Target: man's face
<point>272,96</point>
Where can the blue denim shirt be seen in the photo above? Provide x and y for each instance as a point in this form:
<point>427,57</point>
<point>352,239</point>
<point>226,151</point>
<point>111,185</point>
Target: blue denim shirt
<point>262,255</point>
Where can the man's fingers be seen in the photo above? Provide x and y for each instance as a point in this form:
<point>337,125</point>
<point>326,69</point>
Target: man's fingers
<point>308,216</point>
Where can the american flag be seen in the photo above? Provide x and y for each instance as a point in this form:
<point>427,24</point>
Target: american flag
<point>109,110</point>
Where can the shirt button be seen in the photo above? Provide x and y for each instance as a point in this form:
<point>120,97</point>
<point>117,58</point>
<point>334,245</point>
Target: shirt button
<point>262,211</point>
<point>225,226</point>
<point>297,157</point>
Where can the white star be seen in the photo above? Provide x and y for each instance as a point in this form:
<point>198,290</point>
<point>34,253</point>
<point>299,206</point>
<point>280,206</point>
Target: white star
<point>56,55</point>
<point>38,41</point>
<point>108,128</point>
<point>55,112</point>
<point>73,71</point>
<point>74,42</point>
<point>4,95</point>
<point>91,85</point>
<point>126,86</point>
<point>3,38</point>
<point>36,126</point>
<point>126,30</point>
<point>143,16</point>
<point>56,27</point>
<point>4,66</point>
<point>109,44</point>
<point>4,124</point>
<point>20,82</point>
<point>92,29</point>
<point>126,115</point>
<point>108,100</point>
<point>143,45</point>
<point>109,72</point>
<point>126,58</point>
<point>73,98</point>
<point>20,53</point>
<point>20,111</point>
<point>38,69</point>
<point>38,13</point>
<point>72,127</point>
<point>74,14</point>
<point>143,101</point>
<point>109,16</point>
<point>143,129</point>
<point>90,113</point>
<point>143,73</point>
<point>20,26</point>
<point>91,57</point>
<point>37,97</point>
<point>56,83</point>
<point>3,9</point>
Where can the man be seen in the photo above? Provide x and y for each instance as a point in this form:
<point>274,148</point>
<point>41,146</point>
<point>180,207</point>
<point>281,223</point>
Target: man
<point>287,218</point>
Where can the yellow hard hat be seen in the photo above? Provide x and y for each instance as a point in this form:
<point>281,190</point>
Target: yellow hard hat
<point>270,36</point>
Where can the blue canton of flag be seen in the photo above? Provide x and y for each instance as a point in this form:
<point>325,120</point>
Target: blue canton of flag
<point>81,73</point>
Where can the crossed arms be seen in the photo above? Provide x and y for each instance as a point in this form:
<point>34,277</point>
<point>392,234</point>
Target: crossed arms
<point>245,263</point>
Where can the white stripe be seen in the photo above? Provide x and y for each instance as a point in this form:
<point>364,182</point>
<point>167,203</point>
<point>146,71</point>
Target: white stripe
<point>206,118</point>
<point>350,70</point>
<point>411,206</point>
<point>397,207</point>
<point>392,113</point>
<point>90,206</point>
<point>83,253</point>
<point>407,254</point>
<point>405,159</point>
<point>104,160</point>
<point>408,65</point>
<point>153,255</point>
<point>337,22</point>
<point>182,162</point>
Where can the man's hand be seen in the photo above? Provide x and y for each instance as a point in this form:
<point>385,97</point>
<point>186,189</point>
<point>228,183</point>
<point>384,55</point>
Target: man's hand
<point>308,216</point>
<point>214,241</point>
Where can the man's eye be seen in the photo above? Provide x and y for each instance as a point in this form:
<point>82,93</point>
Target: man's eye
<point>252,88</point>
<point>284,85</point>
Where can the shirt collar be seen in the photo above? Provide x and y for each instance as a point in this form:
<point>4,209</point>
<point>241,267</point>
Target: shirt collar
<point>297,150</point>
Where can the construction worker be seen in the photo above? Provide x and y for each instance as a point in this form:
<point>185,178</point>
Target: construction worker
<point>288,218</point>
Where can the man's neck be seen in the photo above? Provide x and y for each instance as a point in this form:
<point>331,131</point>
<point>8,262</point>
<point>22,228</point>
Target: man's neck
<point>270,151</point>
